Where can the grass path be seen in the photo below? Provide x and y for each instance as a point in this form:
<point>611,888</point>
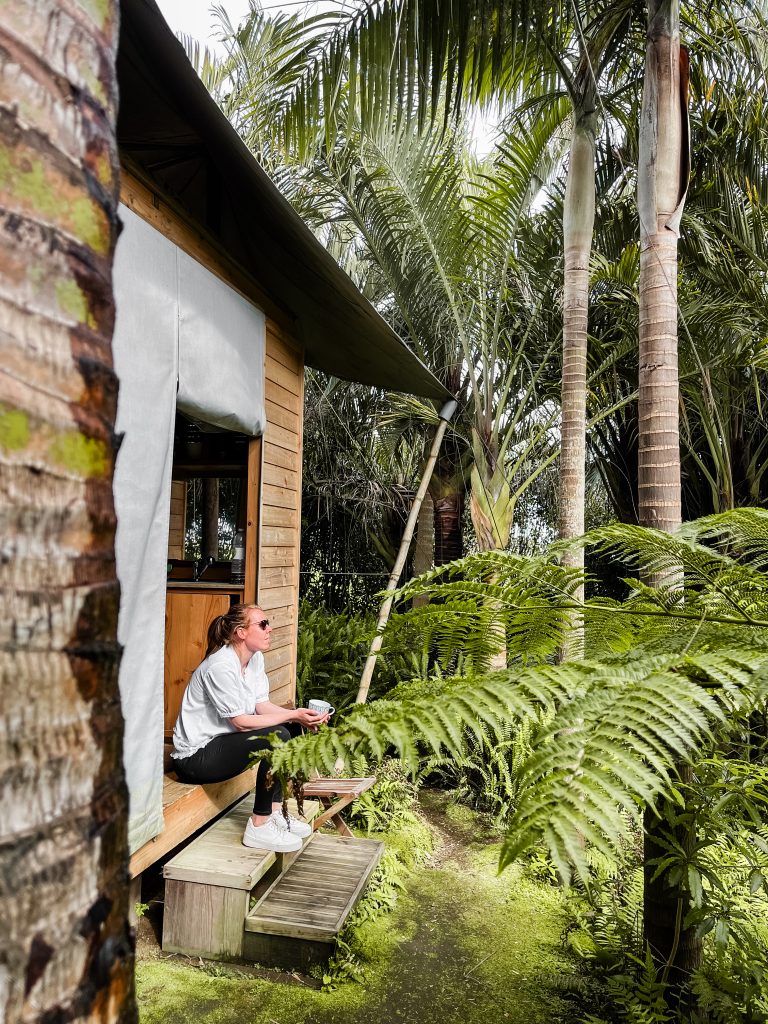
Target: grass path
<point>463,945</point>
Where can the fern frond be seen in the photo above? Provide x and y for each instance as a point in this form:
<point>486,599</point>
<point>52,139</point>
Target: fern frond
<point>605,741</point>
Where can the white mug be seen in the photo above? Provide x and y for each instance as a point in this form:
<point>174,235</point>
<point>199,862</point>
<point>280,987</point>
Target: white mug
<point>322,707</point>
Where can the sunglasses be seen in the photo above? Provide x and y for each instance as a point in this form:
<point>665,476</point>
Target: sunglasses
<point>262,624</point>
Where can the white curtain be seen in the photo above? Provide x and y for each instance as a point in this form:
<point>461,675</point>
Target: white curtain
<point>178,328</point>
<point>146,362</point>
<point>227,390</point>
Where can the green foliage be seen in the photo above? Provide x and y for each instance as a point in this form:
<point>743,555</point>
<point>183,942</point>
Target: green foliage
<point>676,675</point>
<point>331,652</point>
<point>486,775</point>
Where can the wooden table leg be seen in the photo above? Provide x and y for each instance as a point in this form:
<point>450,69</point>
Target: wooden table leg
<point>331,813</point>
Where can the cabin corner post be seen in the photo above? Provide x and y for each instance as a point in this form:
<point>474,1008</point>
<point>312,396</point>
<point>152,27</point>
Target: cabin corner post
<point>66,949</point>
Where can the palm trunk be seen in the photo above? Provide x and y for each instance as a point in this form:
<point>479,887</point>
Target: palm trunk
<point>449,516</point>
<point>662,183</point>
<point>578,226</point>
<point>66,952</point>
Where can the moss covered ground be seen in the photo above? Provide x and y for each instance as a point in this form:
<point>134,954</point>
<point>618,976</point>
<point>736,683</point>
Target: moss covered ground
<point>462,945</point>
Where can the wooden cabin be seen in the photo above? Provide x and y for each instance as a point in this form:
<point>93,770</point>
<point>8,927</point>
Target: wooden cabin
<point>223,296</point>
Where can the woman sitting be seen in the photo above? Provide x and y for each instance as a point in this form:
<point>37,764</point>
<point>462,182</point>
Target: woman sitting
<point>226,715</point>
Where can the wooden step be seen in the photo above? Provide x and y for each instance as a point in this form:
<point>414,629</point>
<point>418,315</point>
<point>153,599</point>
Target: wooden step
<point>218,856</point>
<point>297,920</point>
<point>208,886</point>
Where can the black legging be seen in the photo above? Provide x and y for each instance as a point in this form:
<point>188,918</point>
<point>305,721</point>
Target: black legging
<point>227,755</point>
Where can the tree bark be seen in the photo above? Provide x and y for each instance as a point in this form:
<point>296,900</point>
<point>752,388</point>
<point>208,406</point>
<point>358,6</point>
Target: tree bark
<point>66,950</point>
<point>578,227</point>
<point>662,184</point>
<point>449,515</point>
<point>661,189</point>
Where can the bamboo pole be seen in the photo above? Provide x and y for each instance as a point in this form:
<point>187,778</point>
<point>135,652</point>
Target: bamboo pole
<point>394,577</point>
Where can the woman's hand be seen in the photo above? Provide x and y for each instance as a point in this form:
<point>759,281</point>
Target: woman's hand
<point>309,719</point>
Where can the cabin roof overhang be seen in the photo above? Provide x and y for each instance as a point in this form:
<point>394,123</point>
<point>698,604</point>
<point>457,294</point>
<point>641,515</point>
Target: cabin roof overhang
<point>171,128</point>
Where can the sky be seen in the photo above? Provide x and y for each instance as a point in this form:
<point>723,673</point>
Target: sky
<point>195,18</point>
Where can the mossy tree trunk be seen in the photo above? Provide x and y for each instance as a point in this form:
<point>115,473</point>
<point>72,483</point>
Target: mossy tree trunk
<point>66,951</point>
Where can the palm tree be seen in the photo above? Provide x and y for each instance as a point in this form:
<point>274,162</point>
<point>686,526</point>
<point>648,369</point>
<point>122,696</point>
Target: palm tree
<point>662,183</point>
<point>67,952</point>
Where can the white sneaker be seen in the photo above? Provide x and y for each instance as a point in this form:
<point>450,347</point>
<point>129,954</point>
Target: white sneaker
<point>297,828</point>
<point>270,836</point>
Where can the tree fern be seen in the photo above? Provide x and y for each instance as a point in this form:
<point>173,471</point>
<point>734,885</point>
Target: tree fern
<point>680,670</point>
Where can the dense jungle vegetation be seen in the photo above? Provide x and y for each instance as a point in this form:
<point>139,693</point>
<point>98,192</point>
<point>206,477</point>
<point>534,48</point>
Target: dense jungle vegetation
<point>581,649</point>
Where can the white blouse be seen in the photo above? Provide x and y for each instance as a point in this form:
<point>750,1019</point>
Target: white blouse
<point>219,689</point>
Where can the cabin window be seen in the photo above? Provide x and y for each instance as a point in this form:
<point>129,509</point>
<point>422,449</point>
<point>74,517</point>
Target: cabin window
<point>209,504</point>
<point>211,543</point>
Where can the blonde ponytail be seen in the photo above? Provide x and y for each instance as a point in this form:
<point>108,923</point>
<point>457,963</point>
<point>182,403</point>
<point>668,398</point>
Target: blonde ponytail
<point>222,629</point>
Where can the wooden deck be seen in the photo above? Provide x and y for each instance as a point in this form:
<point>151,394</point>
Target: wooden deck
<point>185,810</point>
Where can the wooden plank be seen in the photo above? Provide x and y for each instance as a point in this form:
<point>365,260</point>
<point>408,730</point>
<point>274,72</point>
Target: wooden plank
<point>284,348</point>
<point>310,885</point>
<point>187,809</point>
<point>280,497</point>
<point>280,477</point>
<point>252,525</point>
<point>281,677</point>
<point>282,397</point>
<point>203,920</point>
<point>281,555</point>
<point>273,515</point>
<point>283,657</point>
<point>283,694</point>
<point>280,416</point>
<point>281,377</point>
<point>278,576</point>
<point>278,536</point>
<point>280,436</point>
<point>277,597</point>
<point>312,881</point>
<point>286,458</point>
<point>218,857</point>
<point>333,786</point>
<point>278,658</point>
<point>309,915</point>
<point>177,519</point>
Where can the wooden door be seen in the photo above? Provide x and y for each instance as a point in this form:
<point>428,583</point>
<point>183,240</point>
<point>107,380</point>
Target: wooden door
<point>187,617</point>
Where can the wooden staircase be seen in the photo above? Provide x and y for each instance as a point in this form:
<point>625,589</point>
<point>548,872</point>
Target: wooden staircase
<point>224,901</point>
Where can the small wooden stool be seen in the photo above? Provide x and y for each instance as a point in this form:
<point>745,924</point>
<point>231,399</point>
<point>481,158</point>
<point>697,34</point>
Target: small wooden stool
<point>346,790</point>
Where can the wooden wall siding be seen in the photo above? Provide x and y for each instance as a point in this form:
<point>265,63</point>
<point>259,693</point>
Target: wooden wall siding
<point>280,507</point>
<point>178,518</point>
